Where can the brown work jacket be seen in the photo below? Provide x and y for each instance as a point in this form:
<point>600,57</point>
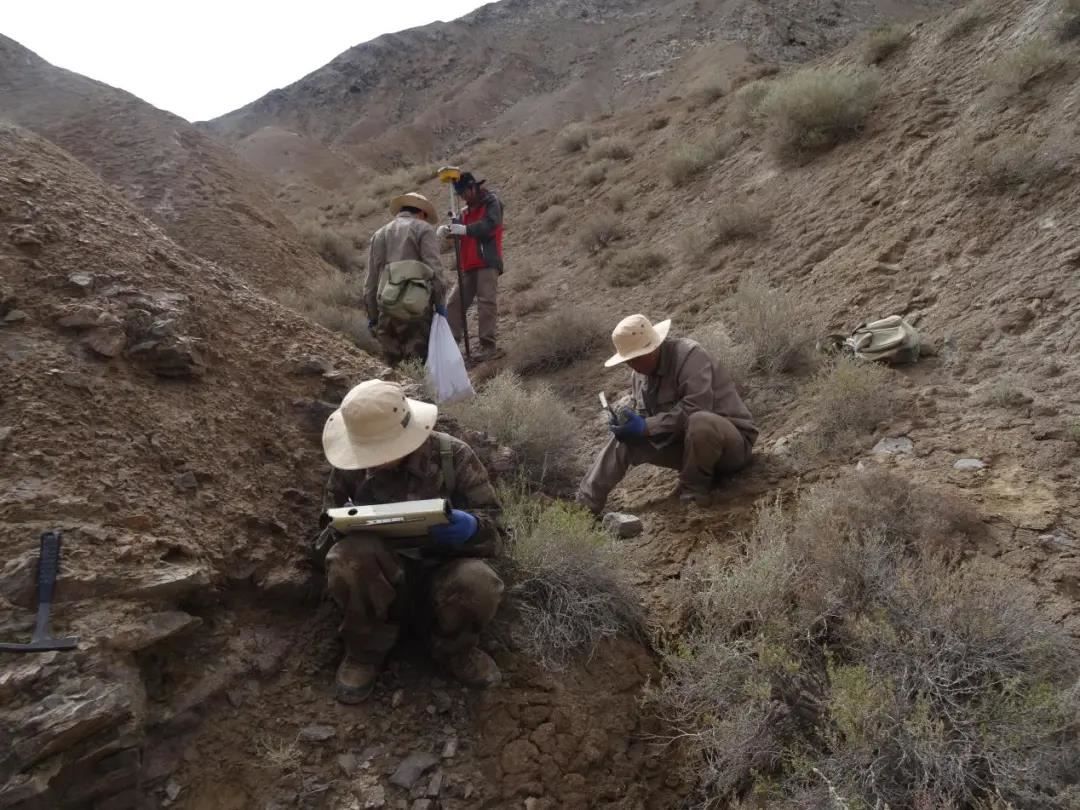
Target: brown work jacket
<point>405,238</point>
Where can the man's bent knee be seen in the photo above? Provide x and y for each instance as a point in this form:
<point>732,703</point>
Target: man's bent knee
<point>466,592</point>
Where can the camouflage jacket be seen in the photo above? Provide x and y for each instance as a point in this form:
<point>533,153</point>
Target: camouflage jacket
<point>420,476</point>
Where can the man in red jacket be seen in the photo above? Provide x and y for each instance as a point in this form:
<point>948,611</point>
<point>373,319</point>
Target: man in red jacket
<point>481,234</point>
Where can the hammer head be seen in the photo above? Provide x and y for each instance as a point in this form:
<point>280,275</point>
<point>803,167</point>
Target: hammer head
<point>449,174</point>
<point>41,645</point>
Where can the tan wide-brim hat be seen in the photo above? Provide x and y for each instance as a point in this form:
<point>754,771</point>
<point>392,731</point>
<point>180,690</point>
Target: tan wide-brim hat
<point>635,336</point>
<point>414,200</point>
<point>376,424</point>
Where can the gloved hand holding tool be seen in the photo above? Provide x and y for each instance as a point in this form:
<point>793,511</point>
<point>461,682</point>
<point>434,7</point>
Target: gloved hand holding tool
<point>630,425</point>
<point>461,528</point>
<point>455,229</point>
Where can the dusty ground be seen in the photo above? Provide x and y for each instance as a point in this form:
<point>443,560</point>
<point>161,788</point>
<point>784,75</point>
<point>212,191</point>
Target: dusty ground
<point>155,406</point>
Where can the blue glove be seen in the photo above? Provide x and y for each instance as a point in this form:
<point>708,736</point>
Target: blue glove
<point>632,428</point>
<point>372,323</point>
<point>461,528</point>
<point>439,308</point>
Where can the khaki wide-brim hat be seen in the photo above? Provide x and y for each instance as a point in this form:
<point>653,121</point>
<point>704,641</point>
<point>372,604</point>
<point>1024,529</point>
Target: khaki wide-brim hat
<point>635,336</point>
<point>376,424</point>
<point>414,200</point>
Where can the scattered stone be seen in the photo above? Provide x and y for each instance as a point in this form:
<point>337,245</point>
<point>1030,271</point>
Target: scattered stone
<point>348,763</point>
<point>374,797</point>
<point>172,790</point>
<point>5,434</point>
<point>449,750</point>
<point>421,804</point>
<point>83,282</point>
<point>468,792</point>
<point>108,341</point>
<point>24,237</point>
<point>412,768</point>
<point>969,465</point>
<point>235,698</point>
<point>443,702</point>
<point>317,733</point>
<point>312,364</point>
<point>622,525</point>
<point>434,787</point>
<point>900,446</point>
<point>145,631</point>
<point>15,316</point>
<point>186,482</point>
<point>397,698</point>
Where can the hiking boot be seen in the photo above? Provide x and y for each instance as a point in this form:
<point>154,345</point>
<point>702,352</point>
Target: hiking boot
<point>355,680</point>
<point>688,494</point>
<point>474,668</point>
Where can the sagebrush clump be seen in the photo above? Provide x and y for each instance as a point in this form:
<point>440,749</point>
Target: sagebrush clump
<point>817,108</point>
<point>574,138</point>
<point>884,41</point>
<point>635,266</point>
<point>569,583</point>
<point>775,326</point>
<point>334,300</point>
<point>837,665</point>
<point>1015,161</point>
<point>530,419</point>
<point>850,397</point>
<point>337,247</point>
<point>601,231</point>
<point>613,148</point>
<point>1019,68</point>
<point>567,335</point>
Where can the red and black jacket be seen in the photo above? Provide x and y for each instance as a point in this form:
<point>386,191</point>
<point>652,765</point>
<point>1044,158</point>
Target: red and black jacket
<point>482,244</point>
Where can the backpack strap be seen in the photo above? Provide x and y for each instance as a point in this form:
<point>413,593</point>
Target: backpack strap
<point>446,453</point>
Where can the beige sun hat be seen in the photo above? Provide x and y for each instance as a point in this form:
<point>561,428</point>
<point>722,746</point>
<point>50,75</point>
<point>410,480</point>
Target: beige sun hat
<point>376,424</point>
<point>414,200</point>
<point>635,336</point>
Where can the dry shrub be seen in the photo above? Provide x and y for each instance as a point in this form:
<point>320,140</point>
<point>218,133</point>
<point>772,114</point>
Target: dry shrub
<point>531,420</point>
<point>520,283</point>
<point>334,300</point>
<point>600,231</point>
<point>817,108</point>
<point>736,358</point>
<point>569,582</point>
<point>574,138</point>
<point>1019,68</point>
<point>1069,20</point>
<point>1014,161</point>
<point>748,100</point>
<point>595,174</point>
<point>614,148</point>
<point>1006,393</point>
<point>709,90</point>
<point>335,246</point>
<point>967,21</point>
<point>657,122</point>
<point>562,338</point>
<point>618,199</point>
<point>831,659</point>
<point>361,209</point>
<point>529,304</point>
<point>884,41</point>
<point>550,201</point>
<point>635,266</point>
<point>776,327</point>
<point>746,220</point>
<point>396,182</point>
<point>687,162</point>
<point>554,217</point>
<point>849,399</point>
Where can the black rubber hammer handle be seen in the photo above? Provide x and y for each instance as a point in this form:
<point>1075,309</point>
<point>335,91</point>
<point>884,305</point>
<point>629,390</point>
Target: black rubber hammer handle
<point>48,565</point>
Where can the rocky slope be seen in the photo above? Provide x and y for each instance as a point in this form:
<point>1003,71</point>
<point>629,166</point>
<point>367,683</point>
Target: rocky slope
<point>523,65</point>
<point>190,184</point>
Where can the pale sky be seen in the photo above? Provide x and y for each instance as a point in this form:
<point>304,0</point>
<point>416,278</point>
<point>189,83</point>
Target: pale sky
<point>202,58</point>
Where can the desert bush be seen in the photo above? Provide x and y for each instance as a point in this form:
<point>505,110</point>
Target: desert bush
<point>687,162</point>
<point>1006,393</point>
<point>776,327</point>
<point>618,200</point>
<point>336,301</point>
<point>600,231</point>
<point>1012,161</point>
<point>594,174</point>
<point>709,90</point>
<point>569,581</point>
<point>1019,68</point>
<point>574,138</point>
<point>398,181</point>
<point>560,339</point>
<point>816,108</point>
<point>530,419</point>
<point>635,266</point>
<point>884,41</point>
<point>748,98</point>
<point>336,247</point>
<point>747,220</point>
<point>554,217</point>
<point>736,358</point>
<point>364,208</point>
<point>967,21</point>
<point>550,201</point>
<point>1069,20</point>
<point>849,398</point>
<point>657,122</point>
<point>528,304</point>
<point>519,282</point>
<point>833,658</point>
<point>613,148</point>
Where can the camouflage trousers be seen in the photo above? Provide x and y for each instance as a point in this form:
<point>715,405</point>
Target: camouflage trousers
<point>403,340</point>
<point>448,603</point>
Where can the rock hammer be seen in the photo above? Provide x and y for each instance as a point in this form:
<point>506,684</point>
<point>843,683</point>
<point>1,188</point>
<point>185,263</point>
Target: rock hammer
<point>48,566</point>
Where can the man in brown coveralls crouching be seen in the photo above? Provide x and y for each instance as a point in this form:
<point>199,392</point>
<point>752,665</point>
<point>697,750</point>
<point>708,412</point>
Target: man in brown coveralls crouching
<point>384,449</point>
<point>685,415</point>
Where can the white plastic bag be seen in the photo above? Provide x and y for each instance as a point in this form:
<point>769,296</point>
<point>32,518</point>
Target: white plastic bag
<point>445,368</point>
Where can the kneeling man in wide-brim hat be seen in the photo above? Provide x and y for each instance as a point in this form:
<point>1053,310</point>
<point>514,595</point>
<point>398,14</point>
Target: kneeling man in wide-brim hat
<point>685,415</point>
<point>384,449</point>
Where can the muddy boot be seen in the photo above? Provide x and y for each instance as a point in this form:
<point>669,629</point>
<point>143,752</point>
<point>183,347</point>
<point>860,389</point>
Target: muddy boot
<point>474,668</point>
<point>702,496</point>
<point>355,680</point>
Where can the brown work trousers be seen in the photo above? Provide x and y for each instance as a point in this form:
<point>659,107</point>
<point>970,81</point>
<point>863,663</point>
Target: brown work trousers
<point>378,591</point>
<point>712,445</point>
<point>483,286</point>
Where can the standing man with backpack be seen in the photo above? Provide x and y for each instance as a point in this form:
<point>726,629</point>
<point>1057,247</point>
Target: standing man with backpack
<point>481,235</point>
<point>404,282</point>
